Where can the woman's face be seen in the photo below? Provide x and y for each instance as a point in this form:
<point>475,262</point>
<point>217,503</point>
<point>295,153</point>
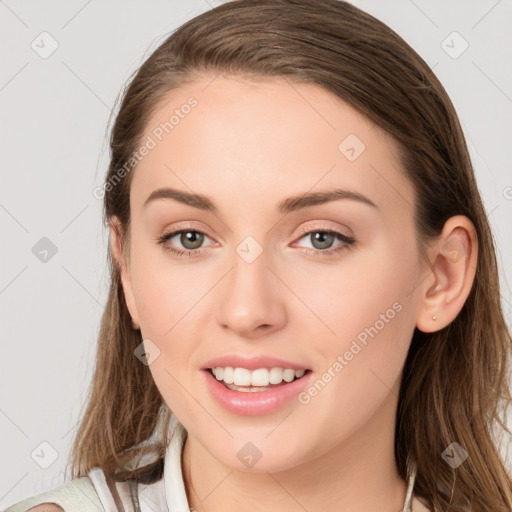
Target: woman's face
<point>328,284</point>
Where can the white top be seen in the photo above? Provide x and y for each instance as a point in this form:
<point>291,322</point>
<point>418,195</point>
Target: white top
<point>167,494</point>
<point>92,492</point>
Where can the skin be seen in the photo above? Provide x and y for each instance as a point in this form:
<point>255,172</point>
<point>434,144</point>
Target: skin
<point>248,145</point>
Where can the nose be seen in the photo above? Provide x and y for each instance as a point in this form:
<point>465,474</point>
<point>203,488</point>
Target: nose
<point>251,299</point>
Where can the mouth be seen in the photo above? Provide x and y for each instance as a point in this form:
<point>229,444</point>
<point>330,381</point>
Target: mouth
<point>255,393</point>
<point>260,380</point>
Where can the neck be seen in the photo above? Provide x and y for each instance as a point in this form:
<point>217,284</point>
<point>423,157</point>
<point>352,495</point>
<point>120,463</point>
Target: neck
<point>357,475</point>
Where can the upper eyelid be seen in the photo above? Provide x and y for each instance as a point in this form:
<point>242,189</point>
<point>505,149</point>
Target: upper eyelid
<point>317,226</point>
<point>306,231</point>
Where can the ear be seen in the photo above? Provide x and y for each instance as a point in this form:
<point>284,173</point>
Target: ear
<point>453,264</point>
<point>124,267</point>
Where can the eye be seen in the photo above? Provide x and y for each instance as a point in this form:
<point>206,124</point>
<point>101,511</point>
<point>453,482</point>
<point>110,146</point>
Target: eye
<point>322,241</point>
<point>190,239</point>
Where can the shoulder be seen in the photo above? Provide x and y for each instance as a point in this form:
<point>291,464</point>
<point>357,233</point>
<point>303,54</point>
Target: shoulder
<point>76,495</point>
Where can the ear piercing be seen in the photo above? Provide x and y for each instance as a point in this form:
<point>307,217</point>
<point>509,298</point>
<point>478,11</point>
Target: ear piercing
<point>434,317</point>
<point>135,327</point>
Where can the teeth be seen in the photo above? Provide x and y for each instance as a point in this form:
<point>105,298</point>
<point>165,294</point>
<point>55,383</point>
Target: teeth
<point>260,377</point>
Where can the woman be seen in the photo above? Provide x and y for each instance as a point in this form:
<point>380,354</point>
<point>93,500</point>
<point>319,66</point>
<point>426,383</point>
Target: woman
<point>304,310</point>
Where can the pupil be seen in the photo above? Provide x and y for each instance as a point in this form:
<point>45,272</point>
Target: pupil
<point>325,239</point>
<point>189,236</point>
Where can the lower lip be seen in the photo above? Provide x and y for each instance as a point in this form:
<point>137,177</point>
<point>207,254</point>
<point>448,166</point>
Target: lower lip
<point>258,402</point>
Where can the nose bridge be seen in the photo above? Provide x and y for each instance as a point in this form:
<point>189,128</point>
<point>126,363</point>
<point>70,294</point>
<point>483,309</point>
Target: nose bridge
<point>250,298</point>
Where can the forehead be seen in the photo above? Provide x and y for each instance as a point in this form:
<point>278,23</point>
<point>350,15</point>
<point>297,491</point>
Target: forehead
<point>221,135</point>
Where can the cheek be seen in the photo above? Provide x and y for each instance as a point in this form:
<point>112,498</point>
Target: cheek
<point>170,297</point>
<point>164,295</point>
<point>352,295</point>
<point>164,290</point>
<point>363,363</point>
<point>369,307</point>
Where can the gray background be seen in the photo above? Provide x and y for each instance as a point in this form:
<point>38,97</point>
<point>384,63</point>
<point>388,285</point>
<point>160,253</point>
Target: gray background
<point>55,112</point>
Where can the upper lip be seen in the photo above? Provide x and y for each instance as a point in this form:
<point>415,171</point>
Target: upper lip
<point>251,362</point>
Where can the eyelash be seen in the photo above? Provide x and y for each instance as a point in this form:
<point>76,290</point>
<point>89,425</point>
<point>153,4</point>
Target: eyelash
<point>190,253</point>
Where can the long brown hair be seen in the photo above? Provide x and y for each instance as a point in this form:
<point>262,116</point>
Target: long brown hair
<point>454,385</point>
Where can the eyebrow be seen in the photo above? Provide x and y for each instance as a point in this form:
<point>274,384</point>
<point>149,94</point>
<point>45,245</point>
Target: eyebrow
<point>288,205</point>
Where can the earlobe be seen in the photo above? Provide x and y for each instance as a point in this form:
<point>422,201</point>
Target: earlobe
<point>453,269</point>
<point>124,269</point>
